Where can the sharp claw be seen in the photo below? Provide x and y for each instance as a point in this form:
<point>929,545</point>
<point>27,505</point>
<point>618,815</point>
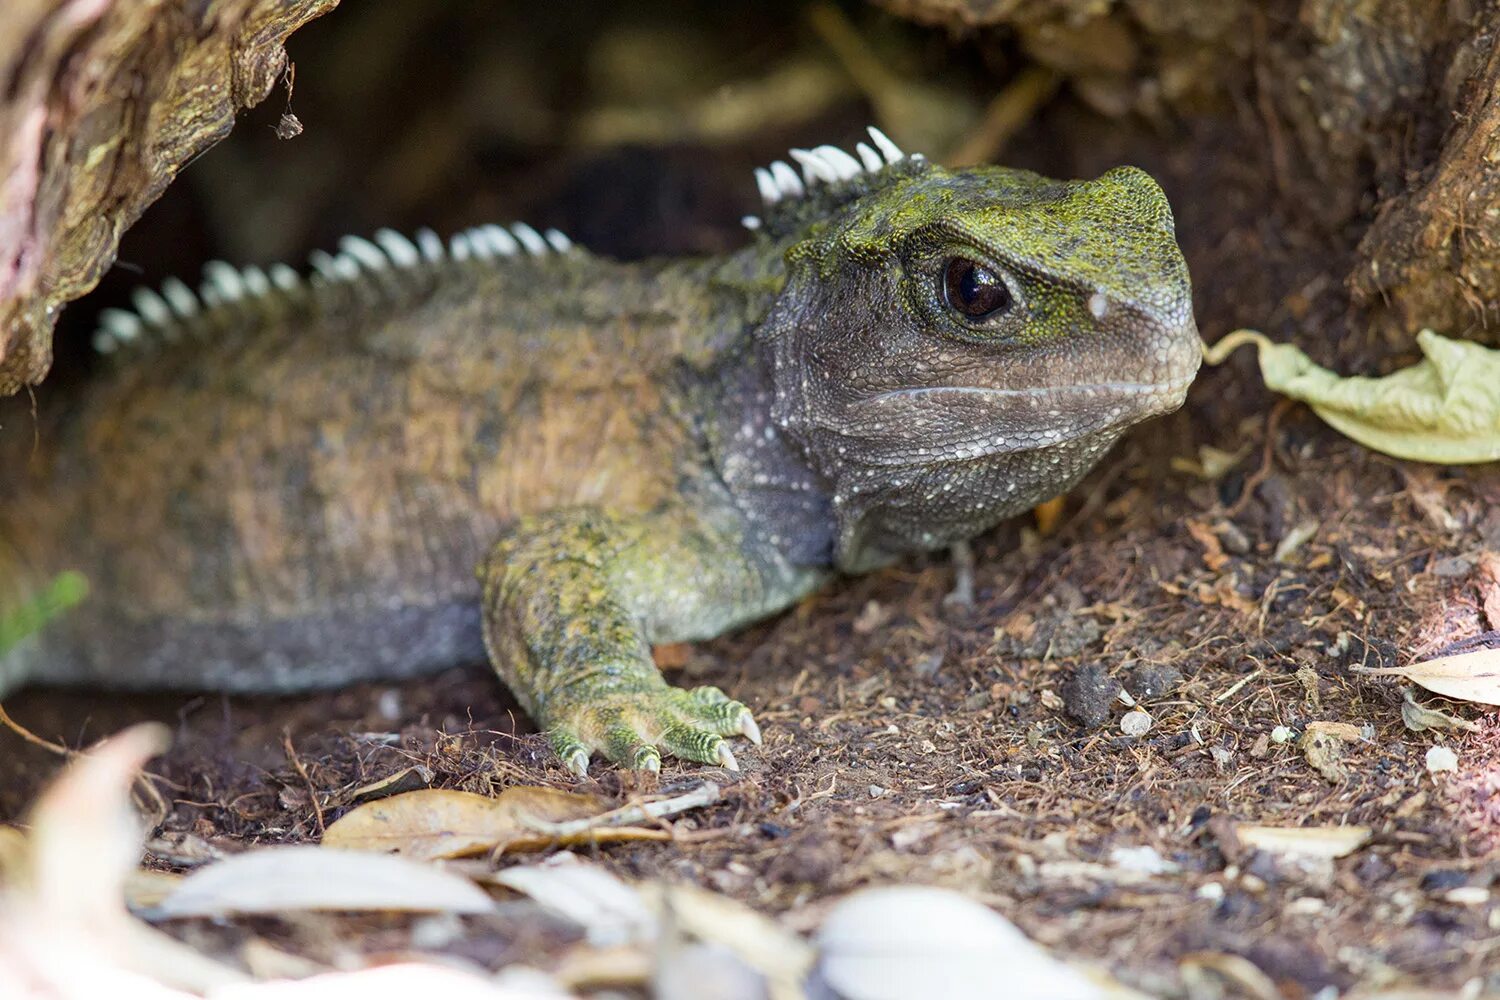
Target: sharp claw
<point>726,757</point>
<point>578,763</point>
<point>648,760</point>
<point>749,728</point>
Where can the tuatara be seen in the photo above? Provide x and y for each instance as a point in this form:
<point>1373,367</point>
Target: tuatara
<point>284,482</point>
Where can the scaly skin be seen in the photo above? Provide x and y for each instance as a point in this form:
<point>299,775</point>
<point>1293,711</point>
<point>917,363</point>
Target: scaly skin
<point>298,493</point>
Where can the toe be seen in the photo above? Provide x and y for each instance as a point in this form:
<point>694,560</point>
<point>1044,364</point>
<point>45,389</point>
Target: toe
<point>572,750</point>
<point>692,743</point>
<point>624,745</point>
<point>714,710</point>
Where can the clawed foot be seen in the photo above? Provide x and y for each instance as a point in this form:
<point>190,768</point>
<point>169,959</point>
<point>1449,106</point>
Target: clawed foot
<point>635,730</point>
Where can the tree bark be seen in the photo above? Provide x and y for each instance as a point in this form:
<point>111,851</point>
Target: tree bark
<point>103,102</point>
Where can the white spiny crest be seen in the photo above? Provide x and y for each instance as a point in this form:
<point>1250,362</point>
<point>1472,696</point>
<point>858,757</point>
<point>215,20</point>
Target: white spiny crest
<point>825,165</point>
<point>372,268</point>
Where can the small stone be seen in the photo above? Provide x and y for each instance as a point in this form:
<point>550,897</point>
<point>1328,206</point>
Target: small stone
<point>1135,723</point>
<point>1444,880</point>
<point>1151,680</point>
<point>1087,695</point>
<point>1450,567</point>
<point>1282,734</point>
<point>1441,759</point>
<point>928,665</point>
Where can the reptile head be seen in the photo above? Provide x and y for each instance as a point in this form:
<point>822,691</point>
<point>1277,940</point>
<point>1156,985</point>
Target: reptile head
<point>953,347</point>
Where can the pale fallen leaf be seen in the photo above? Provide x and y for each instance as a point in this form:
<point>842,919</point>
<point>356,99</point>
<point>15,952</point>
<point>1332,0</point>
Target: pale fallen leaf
<point>1243,974</point>
<point>611,912</point>
<point>782,957</point>
<point>63,892</point>
<point>387,982</point>
<point>304,877</point>
<point>1297,536</point>
<point>912,941</point>
<point>1144,859</point>
<point>1472,676</point>
<point>1304,841</point>
<point>145,888</point>
<point>1444,409</point>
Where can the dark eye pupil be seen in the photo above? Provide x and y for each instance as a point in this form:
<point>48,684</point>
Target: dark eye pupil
<point>974,290</point>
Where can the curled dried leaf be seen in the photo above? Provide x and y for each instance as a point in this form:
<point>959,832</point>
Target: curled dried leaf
<point>1444,409</point>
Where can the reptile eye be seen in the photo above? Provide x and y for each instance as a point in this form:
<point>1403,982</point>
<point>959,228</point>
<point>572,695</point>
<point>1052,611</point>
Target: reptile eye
<point>973,290</point>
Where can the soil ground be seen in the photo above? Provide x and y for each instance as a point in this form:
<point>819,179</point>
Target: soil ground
<point>982,748</point>
<point>904,743</point>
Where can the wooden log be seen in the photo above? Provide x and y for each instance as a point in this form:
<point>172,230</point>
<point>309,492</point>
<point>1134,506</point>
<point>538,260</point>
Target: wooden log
<point>102,102</point>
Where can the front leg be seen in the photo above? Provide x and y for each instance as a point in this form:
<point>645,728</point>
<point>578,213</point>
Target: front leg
<point>573,601</point>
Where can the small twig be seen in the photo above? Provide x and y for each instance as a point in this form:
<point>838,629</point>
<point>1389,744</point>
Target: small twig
<point>312,793</point>
<point>154,799</point>
<point>1235,687</point>
<point>33,738</point>
<point>1267,458</point>
<point>705,794</point>
<point>1007,114</point>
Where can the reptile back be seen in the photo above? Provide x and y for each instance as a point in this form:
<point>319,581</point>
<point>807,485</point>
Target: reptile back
<point>292,487</point>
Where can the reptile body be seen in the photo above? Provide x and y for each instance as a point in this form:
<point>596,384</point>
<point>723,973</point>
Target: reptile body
<point>500,444</point>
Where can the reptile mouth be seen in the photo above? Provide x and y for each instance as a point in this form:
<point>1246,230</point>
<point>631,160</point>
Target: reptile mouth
<point>1104,391</point>
<point>979,422</point>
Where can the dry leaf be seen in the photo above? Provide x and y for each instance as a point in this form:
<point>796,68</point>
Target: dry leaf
<point>1323,745</point>
<point>1444,409</point>
<point>1213,550</point>
<point>398,981</point>
<point>433,823</point>
<point>146,887</point>
<point>63,895</point>
<point>1419,717</point>
<point>408,779</point>
<point>1048,515</point>
<point>1489,586</point>
<point>611,912</point>
<point>763,944</point>
<point>304,877</point>
<point>1473,676</point>
<point>1304,841</point>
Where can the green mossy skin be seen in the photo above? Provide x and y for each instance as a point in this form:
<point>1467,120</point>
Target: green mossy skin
<point>574,599</point>
<point>629,453</point>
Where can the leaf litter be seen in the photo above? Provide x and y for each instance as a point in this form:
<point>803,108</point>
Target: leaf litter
<point>63,882</point>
